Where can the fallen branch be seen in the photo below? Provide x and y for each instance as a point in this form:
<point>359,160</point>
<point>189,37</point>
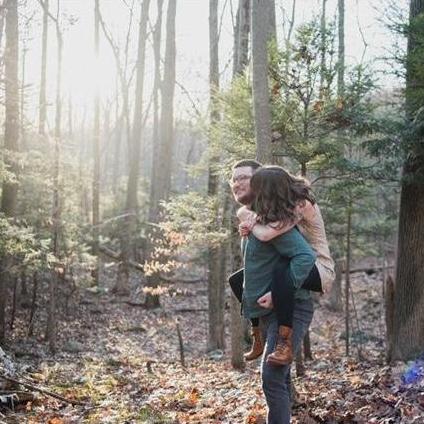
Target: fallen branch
<point>44,391</point>
<point>182,280</point>
<point>117,257</point>
<point>182,310</point>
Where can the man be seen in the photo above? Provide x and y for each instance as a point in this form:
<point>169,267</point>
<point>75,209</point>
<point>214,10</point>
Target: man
<point>276,380</point>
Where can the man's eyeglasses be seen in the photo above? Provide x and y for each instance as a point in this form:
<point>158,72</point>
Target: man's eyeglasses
<point>239,179</point>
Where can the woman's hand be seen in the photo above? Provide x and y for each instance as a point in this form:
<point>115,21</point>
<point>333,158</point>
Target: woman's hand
<point>246,226</point>
<point>266,301</point>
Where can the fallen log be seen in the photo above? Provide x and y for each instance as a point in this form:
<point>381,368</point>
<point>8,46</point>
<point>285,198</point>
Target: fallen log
<point>117,257</point>
<point>368,270</point>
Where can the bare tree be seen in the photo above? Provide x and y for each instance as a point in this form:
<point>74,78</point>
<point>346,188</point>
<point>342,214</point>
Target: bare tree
<point>122,286</point>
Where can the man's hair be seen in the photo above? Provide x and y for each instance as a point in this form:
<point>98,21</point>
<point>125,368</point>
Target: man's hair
<point>248,162</point>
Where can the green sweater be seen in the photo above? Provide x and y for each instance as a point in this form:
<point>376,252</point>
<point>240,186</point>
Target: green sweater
<point>259,261</point>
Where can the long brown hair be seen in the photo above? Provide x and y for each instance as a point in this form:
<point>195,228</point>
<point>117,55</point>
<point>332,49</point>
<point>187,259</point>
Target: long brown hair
<point>277,193</point>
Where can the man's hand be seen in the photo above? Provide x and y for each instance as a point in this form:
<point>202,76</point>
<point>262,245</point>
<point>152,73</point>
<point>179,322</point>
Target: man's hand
<point>266,301</point>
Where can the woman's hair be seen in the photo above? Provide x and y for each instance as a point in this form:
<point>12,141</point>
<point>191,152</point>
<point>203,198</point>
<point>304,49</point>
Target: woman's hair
<point>277,193</point>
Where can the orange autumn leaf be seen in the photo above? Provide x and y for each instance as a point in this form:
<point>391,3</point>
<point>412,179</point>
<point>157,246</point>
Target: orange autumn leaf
<point>55,420</point>
<point>193,397</point>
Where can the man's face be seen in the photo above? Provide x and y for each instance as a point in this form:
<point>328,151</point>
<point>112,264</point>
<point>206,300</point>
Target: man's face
<point>240,185</point>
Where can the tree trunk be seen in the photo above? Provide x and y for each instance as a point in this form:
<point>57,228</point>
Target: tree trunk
<point>407,341</point>
<point>11,139</point>
<point>11,133</point>
<point>335,302</point>
<point>261,101</point>
<point>156,169</point>
<point>347,275</point>
<point>240,59</point>
<point>131,209</point>
<point>323,29</point>
<point>341,53</point>
<point>51,331</point>
<point>43,98</point>
<point>162,179</point>
<point>241,37</point>
<point>96,152</point>
<point>215,256</point>
<point>167,111</point>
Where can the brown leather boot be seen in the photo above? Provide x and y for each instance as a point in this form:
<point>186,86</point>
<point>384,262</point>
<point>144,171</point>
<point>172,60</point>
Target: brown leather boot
<point>257,346</point>
<point>283,353</point>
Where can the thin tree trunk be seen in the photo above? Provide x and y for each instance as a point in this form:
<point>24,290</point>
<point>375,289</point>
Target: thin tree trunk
<point>131,209</point>
<point>51,331</point>
<point>161,184</point>
<point>154,205</point>
<point>347,276</point>
<point>261,100</point>
<point>215,256</point>
<point>33,304</point>
<point>22,113</point>
<point>323,29</point>
<point>96,153</point>
<point>43,97</point>
<point>335,302</point>
<point>167,110</point>
<point>11,139</point>
<point>241,49</point>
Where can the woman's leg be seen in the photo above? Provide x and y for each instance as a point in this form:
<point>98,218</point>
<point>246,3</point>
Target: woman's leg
<point>282,294</point>
<point>275,380</point>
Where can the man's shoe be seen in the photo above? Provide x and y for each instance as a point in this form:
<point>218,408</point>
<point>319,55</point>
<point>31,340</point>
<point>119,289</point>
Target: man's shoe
<point>257,346</point>
<point>283,353</point>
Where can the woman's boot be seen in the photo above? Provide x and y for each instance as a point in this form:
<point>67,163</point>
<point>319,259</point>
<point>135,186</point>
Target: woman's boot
<point>257,346</point>
<point>283,353</point>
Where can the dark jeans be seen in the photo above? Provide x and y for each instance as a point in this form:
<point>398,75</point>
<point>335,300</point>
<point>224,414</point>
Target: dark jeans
<point>281,289</point>
<point>276,382</point>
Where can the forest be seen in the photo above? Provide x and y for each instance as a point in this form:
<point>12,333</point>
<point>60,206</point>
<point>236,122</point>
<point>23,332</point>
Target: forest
<point>119,228</point>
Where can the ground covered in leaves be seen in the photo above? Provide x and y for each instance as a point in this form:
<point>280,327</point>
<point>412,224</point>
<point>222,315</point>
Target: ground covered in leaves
<point>123,363</point>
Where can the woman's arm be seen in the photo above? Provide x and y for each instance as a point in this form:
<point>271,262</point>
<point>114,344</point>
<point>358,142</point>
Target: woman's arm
<point>272,230</point>
<point>262,232</point>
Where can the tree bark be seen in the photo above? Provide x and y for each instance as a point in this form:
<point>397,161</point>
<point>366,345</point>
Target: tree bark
<point>51,330</point>
<point>240,61</point>
<point>261,35</point>
<point>43,97</point>
<point>154,205</point>
<point>96,152</point>
<point>131,209</point>
<point>167,110</point>
<point>241,37</point>
<point>11,139</point>
<point>407,341</point>
<point>162,179</point>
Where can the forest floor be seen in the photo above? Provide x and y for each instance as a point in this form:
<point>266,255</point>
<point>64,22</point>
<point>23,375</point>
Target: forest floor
<point>123,363</point>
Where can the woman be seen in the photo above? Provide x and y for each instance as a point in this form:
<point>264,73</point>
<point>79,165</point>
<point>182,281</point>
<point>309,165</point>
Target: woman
<point>292,203</point>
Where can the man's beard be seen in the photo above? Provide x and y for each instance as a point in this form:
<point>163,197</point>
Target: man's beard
<point>246,199</point>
